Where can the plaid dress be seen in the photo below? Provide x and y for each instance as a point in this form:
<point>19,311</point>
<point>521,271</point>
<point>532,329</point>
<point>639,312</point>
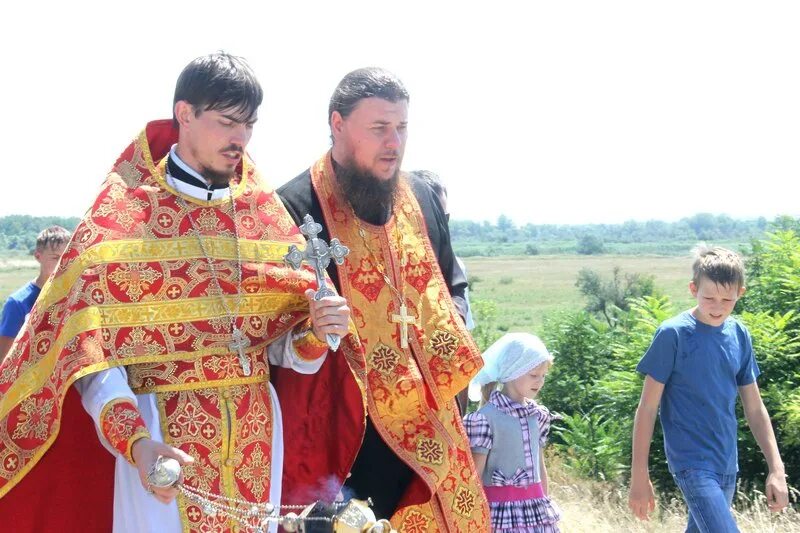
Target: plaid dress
<point>537,515</point>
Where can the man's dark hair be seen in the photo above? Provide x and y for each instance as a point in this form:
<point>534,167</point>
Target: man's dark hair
<point>433,181</point>
<point>217,82</point>
<point>365,83</point>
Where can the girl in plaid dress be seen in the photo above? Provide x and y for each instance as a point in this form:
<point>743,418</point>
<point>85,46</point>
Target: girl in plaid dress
<point>508,433</point>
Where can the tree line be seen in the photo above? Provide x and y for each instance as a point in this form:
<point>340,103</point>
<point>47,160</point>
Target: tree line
<point>18,232</point>
<point>504,237</point>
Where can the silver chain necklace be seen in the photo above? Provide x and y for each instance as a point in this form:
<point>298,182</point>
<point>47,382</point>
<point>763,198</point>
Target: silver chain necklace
<point>239,341</point>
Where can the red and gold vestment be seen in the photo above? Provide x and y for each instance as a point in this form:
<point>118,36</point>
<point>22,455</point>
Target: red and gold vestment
<point>134,289</point>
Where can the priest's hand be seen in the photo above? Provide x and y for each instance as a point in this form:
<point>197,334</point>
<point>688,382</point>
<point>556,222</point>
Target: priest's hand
<point>328,315</point>
<point>144,453</point>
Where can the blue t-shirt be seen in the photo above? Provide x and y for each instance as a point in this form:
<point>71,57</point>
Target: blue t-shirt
<point>18,305</point>
<point>701,367</point>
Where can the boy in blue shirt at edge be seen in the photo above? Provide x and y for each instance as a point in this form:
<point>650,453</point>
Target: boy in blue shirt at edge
<point>50,244</point>
<point>695,366</point>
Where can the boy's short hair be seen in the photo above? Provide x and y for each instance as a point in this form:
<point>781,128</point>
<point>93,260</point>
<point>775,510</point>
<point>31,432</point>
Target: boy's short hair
<point>52,237</point>
<point>717,264</point>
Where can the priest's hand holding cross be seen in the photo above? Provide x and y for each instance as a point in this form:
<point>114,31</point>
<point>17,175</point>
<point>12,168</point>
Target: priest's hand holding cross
<point>329,312</point>
<point>329,315</point>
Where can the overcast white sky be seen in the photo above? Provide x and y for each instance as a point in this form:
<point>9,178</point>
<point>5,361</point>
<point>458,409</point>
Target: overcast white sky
<point>549,112</point>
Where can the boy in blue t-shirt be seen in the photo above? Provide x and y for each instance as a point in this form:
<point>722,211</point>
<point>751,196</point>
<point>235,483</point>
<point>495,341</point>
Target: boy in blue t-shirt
<point>697,363</point>
<point>50,244</point>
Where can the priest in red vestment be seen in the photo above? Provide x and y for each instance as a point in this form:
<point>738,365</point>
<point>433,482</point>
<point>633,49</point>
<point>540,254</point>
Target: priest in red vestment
<point>167,314</point>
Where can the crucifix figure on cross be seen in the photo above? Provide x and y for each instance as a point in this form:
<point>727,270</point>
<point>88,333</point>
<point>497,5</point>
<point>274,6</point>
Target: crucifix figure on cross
<point>318,254</point>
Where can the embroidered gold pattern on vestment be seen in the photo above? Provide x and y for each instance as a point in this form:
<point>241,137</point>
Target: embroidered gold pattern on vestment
<point>410,390</point>
<point>126,293</point>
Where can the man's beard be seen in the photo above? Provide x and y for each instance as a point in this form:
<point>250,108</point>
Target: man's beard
<point>370,197</point>
<point>216,177</point>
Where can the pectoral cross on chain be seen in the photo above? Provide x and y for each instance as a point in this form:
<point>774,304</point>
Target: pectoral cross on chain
<point>238,345</point>
<point>403,320</point>
<point>318,254</point>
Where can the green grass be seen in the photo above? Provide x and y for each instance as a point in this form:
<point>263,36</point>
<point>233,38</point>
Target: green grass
<point>12,279</point>
<point>466,248</point>
<point>526,289</point>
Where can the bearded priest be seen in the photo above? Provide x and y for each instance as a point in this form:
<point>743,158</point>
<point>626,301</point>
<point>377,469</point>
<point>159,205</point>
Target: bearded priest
<point>406,292</point>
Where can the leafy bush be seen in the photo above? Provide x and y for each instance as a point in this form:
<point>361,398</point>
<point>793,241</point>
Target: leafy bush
<point>611,298</point>
<point>531,249</point>
<point>589,445</point>
<point>590,245</point>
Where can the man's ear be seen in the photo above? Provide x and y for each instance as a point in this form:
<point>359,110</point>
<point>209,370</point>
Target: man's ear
<point>184,112</point>
<point>337,123</point>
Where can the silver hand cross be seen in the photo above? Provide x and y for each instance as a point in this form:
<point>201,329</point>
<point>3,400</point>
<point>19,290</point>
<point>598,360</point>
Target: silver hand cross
<point>318,254</point>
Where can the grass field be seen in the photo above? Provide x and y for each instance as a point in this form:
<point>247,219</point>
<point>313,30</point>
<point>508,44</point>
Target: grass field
<point>467,248</point>
<point>526,289</point>
<point>598,507</point>
<point>14,273</point>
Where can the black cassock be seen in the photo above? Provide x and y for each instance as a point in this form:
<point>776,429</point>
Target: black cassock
<point>378,473</point>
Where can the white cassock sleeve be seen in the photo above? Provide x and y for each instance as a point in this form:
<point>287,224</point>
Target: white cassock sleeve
<point>98,389</point>
<point>134,509</point>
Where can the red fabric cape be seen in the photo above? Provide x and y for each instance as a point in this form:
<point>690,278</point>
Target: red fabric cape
<point>71,488</point>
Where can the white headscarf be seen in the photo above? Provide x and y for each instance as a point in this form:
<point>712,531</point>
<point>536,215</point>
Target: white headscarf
<point>510,357</point>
